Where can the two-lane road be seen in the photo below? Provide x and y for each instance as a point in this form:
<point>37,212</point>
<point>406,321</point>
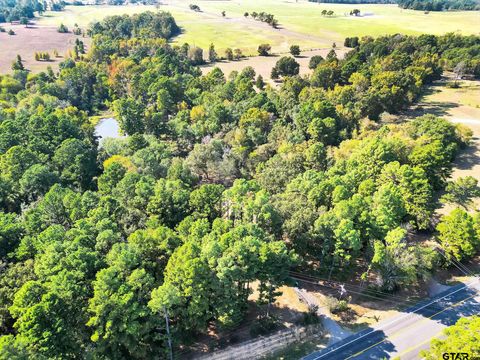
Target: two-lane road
<point>407,334</point>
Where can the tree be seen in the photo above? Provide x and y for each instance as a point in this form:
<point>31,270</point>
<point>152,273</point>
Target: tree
<point>463,337</point>
<point>274,73</point>
<point>264,49</point>
<point>287,66</point>
<point>457,235</point>
<point>237,54</point>
<point>212,54</point>
<point>24,21</point>
<point>224,13</point>
<point>398,263</point>
<point>122,322</point>
<point>62,29</point>
<point>355,12</point>
<point>195,54</point>
<point>461,191</point>
<point>229,54</point>
<point>315,61</point>
<point>259,83</point>
<point>18,64</point>
<point>245,14</point>
<point>295,50</point>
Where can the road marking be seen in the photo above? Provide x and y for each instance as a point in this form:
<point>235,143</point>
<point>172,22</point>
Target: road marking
<point>411,348</point>
<point>395,334</point>
<point>396,320</point>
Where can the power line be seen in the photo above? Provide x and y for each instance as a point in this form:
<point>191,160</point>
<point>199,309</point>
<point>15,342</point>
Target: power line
<point>360,290</point>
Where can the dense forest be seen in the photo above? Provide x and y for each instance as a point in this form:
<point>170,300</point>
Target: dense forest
<point>439,5</point>
<point>15,10</point>
<point>219,185</point>
<point>424,5</point>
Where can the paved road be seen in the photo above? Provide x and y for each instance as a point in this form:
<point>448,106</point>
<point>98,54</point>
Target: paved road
<point>405,335</point>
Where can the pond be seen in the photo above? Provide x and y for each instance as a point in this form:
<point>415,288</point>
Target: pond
<point>107,128</point>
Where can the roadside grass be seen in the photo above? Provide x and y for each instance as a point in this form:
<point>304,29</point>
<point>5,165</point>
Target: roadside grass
<point>298,349</point>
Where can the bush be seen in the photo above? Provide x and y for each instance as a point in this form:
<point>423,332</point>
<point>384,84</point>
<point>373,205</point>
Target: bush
<point>337,306</point>
<point>62,29</point>
<point>311,317</point>
<point>314,61</point>
<point>263,326</point>
<point>295,50</point>
<point>11,32</point>
<point>264,49</point>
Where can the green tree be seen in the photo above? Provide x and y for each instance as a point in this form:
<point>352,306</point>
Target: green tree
<point>295,50</point>
<point>18,64</point>
<point>457,235</point>
<point>264,49</point>
<point>463,337</point>
<point>461,191</point>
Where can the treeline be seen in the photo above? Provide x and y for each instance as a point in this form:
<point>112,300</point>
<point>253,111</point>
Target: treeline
<point>15,10</point>
<point>439,5</point>
<point>355,1</point>
<point>220,187</point>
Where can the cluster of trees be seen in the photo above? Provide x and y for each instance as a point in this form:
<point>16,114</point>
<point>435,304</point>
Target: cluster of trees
<point>439,5</point>
<point>13,10</point>
<point>264,17</point>
<point>221,186</point>
<point>355,1</point>
<point>42,56</point>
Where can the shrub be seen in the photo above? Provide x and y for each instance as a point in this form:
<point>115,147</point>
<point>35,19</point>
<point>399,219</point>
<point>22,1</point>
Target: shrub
<point>264,49</point>
<point>337,306</point>
<point>295,50</point>
<point>62,29</point>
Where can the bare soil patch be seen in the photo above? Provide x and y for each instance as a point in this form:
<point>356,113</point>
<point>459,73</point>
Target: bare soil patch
<point>27,41</point>
<point>263,64</point>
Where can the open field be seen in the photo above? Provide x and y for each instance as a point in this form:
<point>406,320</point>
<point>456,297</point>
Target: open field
<point>33,39</point>
<point>300,22</point>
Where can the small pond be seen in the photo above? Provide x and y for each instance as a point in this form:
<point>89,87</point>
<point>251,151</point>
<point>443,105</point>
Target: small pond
<point>107,128</point>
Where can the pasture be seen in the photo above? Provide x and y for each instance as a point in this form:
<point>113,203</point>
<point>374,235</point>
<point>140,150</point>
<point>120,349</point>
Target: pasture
<point>299,22</point>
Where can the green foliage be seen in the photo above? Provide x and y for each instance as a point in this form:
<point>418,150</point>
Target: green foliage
<point>461,191</point>
<point>458,235</point>
<point>464,336</point>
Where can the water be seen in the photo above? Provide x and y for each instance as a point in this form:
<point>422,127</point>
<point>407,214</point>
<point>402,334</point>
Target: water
<point>107,128</point>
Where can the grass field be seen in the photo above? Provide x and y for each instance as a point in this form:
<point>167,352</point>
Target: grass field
<point>300,22</point>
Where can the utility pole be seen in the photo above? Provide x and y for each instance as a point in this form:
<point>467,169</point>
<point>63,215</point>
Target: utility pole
<point>170,352</point>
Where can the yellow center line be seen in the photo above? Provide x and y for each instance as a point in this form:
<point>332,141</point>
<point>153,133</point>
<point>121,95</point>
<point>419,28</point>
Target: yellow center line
<point>395,334</point>
<point>411,348</point>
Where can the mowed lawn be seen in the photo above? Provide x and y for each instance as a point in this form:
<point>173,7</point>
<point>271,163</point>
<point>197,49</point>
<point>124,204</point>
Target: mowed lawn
<point>300,22</point>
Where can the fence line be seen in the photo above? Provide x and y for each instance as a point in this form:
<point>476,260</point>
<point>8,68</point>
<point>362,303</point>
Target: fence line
<point>265,345</point>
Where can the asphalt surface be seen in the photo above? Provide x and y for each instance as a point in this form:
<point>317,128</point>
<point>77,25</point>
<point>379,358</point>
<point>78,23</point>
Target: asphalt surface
<point>407,334</point>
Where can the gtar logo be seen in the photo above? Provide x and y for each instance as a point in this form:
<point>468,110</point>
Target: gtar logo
<point>455,356</point>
